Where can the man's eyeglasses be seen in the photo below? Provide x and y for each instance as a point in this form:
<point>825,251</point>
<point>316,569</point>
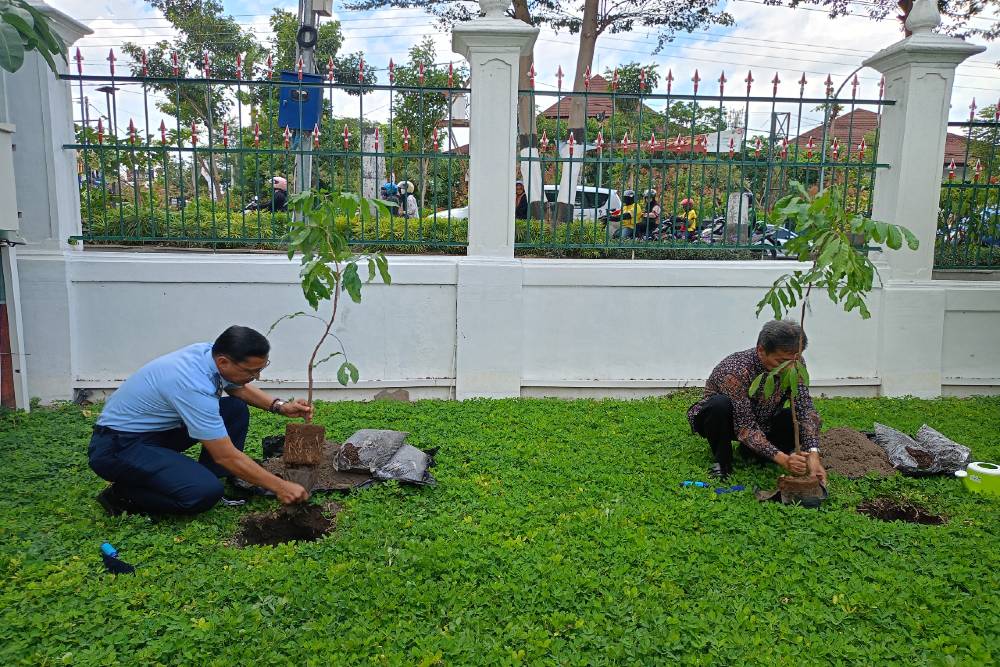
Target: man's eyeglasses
<point>252,372</point>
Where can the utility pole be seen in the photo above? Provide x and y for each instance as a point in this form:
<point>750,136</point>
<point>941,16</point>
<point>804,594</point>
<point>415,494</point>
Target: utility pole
<point>307,36</point>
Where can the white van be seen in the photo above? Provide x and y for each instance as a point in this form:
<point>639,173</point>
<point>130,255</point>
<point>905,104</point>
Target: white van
<point>592,203</point>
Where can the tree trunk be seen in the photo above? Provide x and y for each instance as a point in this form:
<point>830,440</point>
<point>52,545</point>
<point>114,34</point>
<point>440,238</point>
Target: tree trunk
<point>577,114</point>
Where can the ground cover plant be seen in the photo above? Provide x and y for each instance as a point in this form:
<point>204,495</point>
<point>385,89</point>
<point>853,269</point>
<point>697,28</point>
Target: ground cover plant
<point>559,533</point>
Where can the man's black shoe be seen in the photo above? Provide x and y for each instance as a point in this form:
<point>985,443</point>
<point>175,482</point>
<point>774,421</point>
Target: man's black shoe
<point>719,473</point>
<point>112,503</point>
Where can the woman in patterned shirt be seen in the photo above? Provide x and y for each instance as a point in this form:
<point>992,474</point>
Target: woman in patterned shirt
<point>763,426</point>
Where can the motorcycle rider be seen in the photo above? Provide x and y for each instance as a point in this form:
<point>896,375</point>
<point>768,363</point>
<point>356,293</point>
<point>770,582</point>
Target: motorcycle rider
<point>690,217</point>
<point>630,213</point>
<point>650,218</point>
<point>407,202</point>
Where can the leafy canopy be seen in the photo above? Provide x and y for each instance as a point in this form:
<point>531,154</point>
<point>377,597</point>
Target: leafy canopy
<point>24,29</point>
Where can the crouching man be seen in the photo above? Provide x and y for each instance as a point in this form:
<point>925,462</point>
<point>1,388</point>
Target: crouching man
<point>763,427</point>
<point>172,403</point>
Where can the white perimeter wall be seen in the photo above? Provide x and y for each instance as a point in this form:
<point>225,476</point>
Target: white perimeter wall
<point>589,327</point>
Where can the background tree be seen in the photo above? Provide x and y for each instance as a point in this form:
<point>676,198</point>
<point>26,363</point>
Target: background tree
<point>203,30</point>
<point>421,112</point>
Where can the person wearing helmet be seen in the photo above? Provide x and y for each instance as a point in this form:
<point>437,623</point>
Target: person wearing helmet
<point>407,202</point>
<point>629,215</point>
<point>279,200</point>
<point>390,193</point>
<point>690,218</point>
<point>650,218</point>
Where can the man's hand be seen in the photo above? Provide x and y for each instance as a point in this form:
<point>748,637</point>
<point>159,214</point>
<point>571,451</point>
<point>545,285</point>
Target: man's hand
<point>290,493</point>
<point>797,464</point>
<point>816,468</point>
<point>296,408</point>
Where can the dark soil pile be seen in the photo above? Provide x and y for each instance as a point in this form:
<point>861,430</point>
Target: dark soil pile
<point>329,478</point>
<point>300,523</point>
<point>887,509</point>
<point>852,454</point>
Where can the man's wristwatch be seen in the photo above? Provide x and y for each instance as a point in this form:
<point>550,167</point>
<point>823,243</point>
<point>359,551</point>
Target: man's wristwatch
<point>814,450</point>
<point>276,405</point>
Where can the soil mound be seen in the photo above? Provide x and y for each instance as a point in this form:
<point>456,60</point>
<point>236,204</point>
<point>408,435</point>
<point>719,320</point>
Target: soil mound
<point>328,477</point>
<point>887,509</point>
<point>300,523</point>
<point>852,454</point>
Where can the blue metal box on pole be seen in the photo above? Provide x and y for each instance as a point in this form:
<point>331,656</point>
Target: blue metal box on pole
<point>300,106</point>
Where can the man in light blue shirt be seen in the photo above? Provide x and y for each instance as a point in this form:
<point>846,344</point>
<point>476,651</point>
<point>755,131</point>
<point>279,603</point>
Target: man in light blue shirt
<point>172,403</point>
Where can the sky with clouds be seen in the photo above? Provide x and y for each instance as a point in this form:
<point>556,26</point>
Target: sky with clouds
<point>765,40</point>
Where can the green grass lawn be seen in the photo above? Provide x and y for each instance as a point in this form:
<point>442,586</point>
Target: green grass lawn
<point>558,534</point>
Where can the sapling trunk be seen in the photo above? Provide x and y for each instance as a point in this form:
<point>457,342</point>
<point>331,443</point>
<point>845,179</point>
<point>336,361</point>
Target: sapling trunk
<point>802,334</point>
<point>326,332</point>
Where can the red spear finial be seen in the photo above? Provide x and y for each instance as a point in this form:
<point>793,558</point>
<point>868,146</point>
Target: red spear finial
<point>979,170</point>
<point>270,66</point>
<point>420,71</point>
<point>544,142</point>
<point>163,132</point>
<point>774,83</point>
<point>256,135</point>
<point>722,83</point>
<point>829,85</point>
<point>406,138</point>
<point>239,66</point>
<point>784,148</point>
<point>131,131</point>
<point>809,146</point>
<point>207,64</point>
<point>571,143</point>
<point>392,72</point>
<point>111,59</point>
<point>749,81</point>
<point>100,131</point>
<point>225,134</point>
<point>854,87</point>
<point>531,76</point>
<point>288,137</point>
<point>347,137</point>
<point>145,69</point>
<point>194,133</point>
<point>79,61</point>
<point>614,80</point>
<point>600,141</point>
<point>972,110</point>
<point>300,67</point>
<point>951,170</point>
<point>652,140</point>
<point>451,75</point>
<point>173,63</point>
<point>732,148</point>
<point>756,146</point>
<point>625,141</point>
<point>434,139</point>
<point>361,69</point>
<point>642,80</point>
<point>329,69</point>
<point>881,87</point>
<point>835,150</point>
<point>802,85</point>
<point>376,138</point>
<point>670,80</point>
<point>862,147</point>
<point>559,77</point>
<point>316,135</point>
<point>586,79</point>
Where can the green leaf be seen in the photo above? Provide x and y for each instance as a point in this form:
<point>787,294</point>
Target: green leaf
<point>327,358</point>
<point>769,385</point>
<point>895,238</point>
<point>352,282</point>
<point>11,48</point>
<point>803,372</point>
<point>371,269</point>
<point>912,242</point>
<point>342,374</point>
<point>792,380</point>
<point>383,268</point>
<point>353,370</point>
<point>755,385</point>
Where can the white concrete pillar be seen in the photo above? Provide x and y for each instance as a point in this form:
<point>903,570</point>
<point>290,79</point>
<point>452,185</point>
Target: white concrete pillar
<point>48,200</point>
<point>493,46</point>
<point>490,330</point>
<point>919,73</point>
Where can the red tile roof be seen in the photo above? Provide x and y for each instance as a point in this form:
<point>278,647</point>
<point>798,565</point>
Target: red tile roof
<point>596,104</point>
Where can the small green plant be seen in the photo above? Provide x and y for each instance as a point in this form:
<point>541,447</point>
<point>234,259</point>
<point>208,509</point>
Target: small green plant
<point>22,29</point>
<point>329,267</point>
<point>834,240</point>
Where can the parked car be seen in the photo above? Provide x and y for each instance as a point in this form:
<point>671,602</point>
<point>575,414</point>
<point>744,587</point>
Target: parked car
<point>591,203</point>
